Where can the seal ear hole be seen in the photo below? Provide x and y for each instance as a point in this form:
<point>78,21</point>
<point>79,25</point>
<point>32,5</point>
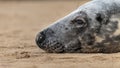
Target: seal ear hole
<point>99,17</point>
<point>66,28</point>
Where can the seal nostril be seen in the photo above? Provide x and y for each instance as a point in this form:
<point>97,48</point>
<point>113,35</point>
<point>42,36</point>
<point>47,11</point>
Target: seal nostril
<point>40,38</point>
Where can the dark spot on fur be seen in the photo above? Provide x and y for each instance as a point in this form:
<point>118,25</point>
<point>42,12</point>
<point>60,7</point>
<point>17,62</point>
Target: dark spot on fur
<point>66,28</point>
<point>116,38</point>
<point>107,29</point>
<point>99,18</point>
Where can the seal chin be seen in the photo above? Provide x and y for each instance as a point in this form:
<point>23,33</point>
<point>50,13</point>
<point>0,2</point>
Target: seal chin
<point>55,47</point>
<point>74,47</point>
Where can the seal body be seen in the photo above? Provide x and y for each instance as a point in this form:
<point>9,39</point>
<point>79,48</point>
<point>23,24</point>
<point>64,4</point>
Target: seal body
<point>92,28</point>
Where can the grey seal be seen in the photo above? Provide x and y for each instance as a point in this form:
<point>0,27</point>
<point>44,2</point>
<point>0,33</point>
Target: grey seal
<point>92,28</point>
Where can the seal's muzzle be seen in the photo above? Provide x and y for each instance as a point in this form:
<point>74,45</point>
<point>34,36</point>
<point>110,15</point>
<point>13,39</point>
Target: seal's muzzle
<point>40,38</point>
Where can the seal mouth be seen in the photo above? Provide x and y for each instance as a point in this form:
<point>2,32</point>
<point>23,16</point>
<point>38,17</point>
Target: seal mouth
<point>54,47</point>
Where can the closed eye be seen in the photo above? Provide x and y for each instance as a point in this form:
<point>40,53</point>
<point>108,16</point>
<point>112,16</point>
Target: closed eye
<point>79,23</point>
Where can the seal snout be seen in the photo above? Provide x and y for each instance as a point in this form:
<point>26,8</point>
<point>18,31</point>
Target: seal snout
<point>40,38</point>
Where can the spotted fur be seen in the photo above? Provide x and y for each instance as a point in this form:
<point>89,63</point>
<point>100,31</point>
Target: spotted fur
<point>92,28</point>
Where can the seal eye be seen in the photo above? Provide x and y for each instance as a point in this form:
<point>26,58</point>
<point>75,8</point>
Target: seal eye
<point>79,23</point>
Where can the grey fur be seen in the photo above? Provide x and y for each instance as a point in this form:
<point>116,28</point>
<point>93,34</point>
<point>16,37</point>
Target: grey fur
<point>89,29</point>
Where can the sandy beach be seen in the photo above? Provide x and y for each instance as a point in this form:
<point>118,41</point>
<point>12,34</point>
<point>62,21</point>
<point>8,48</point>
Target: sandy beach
<point>19,24</point>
